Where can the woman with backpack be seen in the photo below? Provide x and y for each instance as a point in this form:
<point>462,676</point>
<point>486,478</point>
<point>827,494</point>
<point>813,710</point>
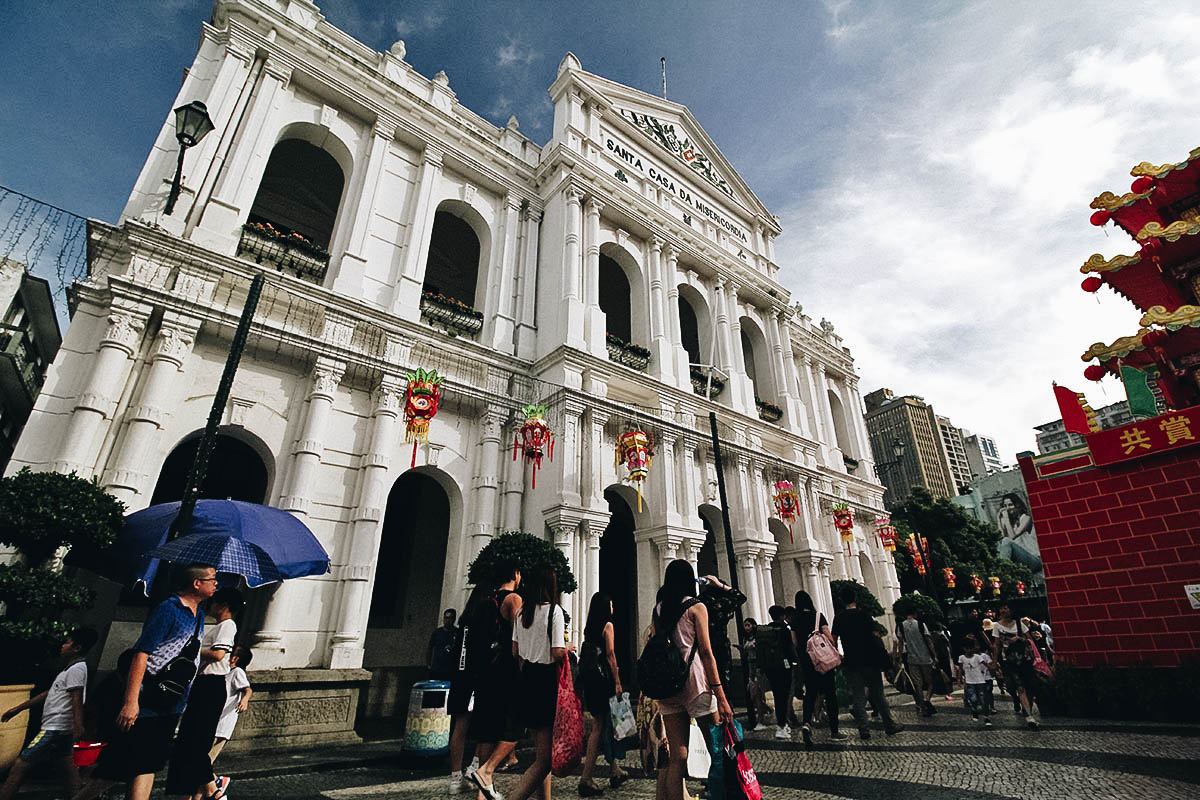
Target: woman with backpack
<point>679,615</point>
<point>600,679</point>
<point>1010,650</point>
<point>810,623</point>
<point>493,669</point>
<point>539,645</point>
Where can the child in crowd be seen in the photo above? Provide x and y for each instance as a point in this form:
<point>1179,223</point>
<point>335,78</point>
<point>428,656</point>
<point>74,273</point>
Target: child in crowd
<point>975,668</point>
<point>238,692</point>
<point>62,717</point>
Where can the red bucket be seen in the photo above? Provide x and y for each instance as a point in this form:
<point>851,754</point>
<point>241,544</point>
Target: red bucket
<point>86,753</point>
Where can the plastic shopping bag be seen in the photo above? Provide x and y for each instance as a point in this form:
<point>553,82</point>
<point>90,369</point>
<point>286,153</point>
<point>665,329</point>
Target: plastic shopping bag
<point>698,761</point>
<point>623,723</point>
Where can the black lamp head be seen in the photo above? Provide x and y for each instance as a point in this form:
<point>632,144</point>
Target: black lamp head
<point>192,123</point>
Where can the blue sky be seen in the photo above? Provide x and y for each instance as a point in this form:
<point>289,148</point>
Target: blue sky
<point>931,163</point>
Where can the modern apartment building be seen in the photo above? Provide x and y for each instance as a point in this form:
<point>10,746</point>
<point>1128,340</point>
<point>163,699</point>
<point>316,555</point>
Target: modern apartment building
<point>907,424</point>
<point>1052,436</point>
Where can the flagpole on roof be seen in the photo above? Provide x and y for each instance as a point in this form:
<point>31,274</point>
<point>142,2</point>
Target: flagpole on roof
<point>664,73</point>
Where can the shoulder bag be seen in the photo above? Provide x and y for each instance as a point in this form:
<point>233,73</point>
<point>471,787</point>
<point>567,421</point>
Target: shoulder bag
<point>821,652</point>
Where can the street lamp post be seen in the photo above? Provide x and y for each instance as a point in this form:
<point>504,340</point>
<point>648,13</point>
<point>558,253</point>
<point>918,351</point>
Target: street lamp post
<point>192,124</point>
<point>898,452</point>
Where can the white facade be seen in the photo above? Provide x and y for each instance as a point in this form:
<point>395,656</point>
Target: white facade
<point>319,394</point>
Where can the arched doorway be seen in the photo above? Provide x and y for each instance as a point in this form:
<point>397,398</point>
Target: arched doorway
<point>236,471</point>
<point>407,591</point>
<point>619,580</point>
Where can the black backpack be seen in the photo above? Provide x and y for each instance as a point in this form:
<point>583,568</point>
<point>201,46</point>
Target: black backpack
<point>662,670</point>
<point>163,690</point>
<point>769,650</point>
<point>479,645</point>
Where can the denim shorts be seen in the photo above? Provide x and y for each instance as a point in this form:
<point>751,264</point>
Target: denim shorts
<point>48,746</point>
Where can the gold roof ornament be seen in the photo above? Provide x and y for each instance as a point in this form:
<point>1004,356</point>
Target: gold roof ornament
<point>1173,232</point>
<point>1146,168</point>
<point>1097,263</point>
<point>1118,349</point>
<point>1184,316</point>
<point>1107,201</point>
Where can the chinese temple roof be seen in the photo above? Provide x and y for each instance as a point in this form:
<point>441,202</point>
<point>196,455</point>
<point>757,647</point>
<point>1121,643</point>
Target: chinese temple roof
<point>1138,279</point>
<point>1182,327</point>
<point>1154,188</point>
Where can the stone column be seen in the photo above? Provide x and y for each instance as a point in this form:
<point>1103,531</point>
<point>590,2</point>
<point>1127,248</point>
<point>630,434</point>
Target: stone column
<point>97,402</point>
<point>564,540</point>
<point>739,359</point>
<point>596,456</point>
<point>689,482</point>
<point>749,580</point>
<point>793,380</point>
<point>355,573</point>
<point>661,480</point>
<point>407,296</point>
<point>596,320</point>
<point>668,551</point>
<point>128,478</point>
<point>767,580</point>
<point>855,411</point>
<point>671,278</point>
<point>514,484</point>
<point>527,286</point>
<point>572,292</point>
<point>498,314</point>
<point>691,551</point>
<point>486,482</point>
<point>819,434</point>
<point>592,532</point>
<point>662,360</point>
<point>298,490</point>
<point>822,389</point>
<point>730,350</point>
<point>235,191</point>
<point>785,386</point>
<point>354,260</point>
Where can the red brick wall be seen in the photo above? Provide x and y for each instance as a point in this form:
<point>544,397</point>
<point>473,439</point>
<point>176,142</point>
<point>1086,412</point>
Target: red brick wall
<point>1118,544</point>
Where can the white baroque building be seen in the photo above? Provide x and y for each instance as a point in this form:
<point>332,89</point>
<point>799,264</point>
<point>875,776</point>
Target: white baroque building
<point>628,223</point>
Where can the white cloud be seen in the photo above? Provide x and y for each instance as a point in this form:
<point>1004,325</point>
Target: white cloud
<point>429,21</point>
<point>516,53</point>
<point>946,237</point>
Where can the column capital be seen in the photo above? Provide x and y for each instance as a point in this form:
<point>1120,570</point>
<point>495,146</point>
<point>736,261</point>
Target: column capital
<point>574,195</point>
<point>326,376</point>
<point>672,253</point>
<point>124,331</point>
<point>388,395</point>
<point>432,155</point>
<point>820,367</point>
<point>385,128</point>
<point>512,203</point>
<point>656,244</point>
<point>174,341</point>
<point>806,359</point>
<point>594,206</point>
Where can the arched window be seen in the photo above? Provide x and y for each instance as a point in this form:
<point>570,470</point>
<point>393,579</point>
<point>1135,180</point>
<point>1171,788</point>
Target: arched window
<point>291,220</point>
<point>695,330</point>
<point>300,191</point>
<point>615,300</point>
<point>453,266</point>
<point>756,356</point>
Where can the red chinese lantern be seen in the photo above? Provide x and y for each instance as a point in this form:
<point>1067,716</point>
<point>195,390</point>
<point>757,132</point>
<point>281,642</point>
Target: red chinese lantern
<point>948,577</point>
<point>843,520</point>
<point>534,439</point>
<point>1100,218</point>
<point>787,503</point>
<point>636,450</point>
<point>1151,246</point>
<point>1095,372</point>
<point>887,533</point>
<point>420,406</point>
<point>1020,587</point>
<point>1142,184</point>
<point>976,583</point>
<point>995,582</point>
<point>914,552</point>
<point>1092,283</point>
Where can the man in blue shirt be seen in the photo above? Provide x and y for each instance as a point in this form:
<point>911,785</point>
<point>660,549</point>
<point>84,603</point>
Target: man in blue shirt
<point>144,743</point>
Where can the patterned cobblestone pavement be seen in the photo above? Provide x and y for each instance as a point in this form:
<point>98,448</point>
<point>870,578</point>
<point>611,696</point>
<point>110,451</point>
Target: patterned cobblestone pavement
<point>947,757</point>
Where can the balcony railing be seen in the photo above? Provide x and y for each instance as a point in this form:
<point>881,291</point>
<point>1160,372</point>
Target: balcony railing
<point>457,318</point>
<point>631,355</point>
<point>700,383</point>
<point>15,343</point>
<point>768,412</point>
<point>284,252</point>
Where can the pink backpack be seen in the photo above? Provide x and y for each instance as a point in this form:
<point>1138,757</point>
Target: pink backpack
<point>821,651</point>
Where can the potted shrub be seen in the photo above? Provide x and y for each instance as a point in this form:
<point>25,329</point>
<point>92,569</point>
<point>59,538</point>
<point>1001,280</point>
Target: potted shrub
<point>41,512</point>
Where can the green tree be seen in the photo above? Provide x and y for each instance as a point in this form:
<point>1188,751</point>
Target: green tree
<point>926,608</point>
<point>527,552</point>
<point>863,597</point>
<point>41,512</point>
<point>956,540</point>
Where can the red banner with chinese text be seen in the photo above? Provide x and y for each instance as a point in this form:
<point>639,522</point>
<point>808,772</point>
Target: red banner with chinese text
<point>1169,431</point>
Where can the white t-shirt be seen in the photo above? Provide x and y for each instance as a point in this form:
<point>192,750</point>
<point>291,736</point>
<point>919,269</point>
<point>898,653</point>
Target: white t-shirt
<point>218,637</point>
<point>976,668</point>
<point>56,712</point>
<point>533,643</point>
<point>235,681</point>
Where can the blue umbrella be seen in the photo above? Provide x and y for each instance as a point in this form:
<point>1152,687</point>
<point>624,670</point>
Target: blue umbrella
<point>261,543</point>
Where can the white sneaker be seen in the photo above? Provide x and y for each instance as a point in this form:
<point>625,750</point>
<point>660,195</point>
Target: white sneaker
<point>762,726</point>
<point>783,732</point>
<point>456,783</point>
<point>474,764</point>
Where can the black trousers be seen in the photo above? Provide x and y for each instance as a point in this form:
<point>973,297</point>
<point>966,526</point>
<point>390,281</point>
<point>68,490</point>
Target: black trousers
<point>780,679</point>
<point>817,684</point>
<point>190,768</point>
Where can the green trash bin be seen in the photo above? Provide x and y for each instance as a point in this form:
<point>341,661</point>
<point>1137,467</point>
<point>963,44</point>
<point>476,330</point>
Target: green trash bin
<point>427,731</point>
